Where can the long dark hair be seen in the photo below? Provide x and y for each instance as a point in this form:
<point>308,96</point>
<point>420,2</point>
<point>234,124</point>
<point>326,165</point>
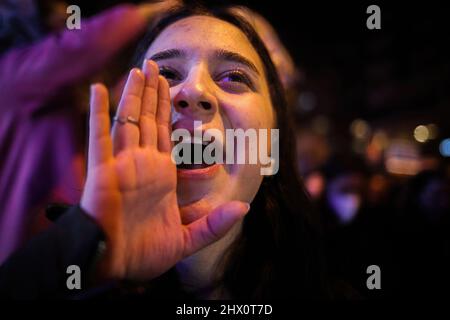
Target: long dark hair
<point>277,253</point>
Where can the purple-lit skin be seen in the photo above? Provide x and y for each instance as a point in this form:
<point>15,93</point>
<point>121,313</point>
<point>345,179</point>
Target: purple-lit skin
<point>40,141</point>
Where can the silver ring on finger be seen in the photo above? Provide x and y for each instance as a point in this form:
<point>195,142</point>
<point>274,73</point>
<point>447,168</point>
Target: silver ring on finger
<point>125,120</point>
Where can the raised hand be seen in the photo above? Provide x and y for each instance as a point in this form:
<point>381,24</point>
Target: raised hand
<point>131,183</point>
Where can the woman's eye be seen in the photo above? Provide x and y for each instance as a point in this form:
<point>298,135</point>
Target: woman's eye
<point>235,78</point>
<point>171,75</point>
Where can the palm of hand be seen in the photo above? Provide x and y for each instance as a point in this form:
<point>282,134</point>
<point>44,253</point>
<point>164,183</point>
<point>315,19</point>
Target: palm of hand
<point>146,219</point>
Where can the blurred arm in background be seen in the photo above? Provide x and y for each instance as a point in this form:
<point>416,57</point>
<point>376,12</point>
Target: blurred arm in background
<point>41,146</point>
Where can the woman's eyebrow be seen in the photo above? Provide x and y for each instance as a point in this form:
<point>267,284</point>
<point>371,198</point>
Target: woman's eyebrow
<point>235,57</point>
<point>168,54</point>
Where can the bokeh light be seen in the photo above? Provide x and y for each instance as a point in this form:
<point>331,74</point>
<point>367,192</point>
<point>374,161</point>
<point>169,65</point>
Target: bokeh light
<point>360,129</point>
<point>421,133</point>
<point>444,147</point>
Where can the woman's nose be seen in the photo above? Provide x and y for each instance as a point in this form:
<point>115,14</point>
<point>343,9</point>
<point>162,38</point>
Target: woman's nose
<point>194,100</point>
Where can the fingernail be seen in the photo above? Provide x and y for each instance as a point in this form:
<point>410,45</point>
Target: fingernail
<point>147,67</point>
<point>155,65</point>
<point>92,88</point>
<point>136,70</point>
<point>248,206</point>
<point>136,73</point>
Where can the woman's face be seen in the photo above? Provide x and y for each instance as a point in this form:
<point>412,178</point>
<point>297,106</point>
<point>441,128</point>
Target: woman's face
<point>215,77</point>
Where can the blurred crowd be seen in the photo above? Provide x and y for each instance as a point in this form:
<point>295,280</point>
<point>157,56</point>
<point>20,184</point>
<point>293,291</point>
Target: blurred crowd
<point>380,201</point>
<point>371,216</point>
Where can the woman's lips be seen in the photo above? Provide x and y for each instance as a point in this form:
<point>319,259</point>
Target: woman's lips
<point>201,173</point>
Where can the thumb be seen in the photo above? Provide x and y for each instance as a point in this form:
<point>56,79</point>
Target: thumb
<point>213,226</point>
